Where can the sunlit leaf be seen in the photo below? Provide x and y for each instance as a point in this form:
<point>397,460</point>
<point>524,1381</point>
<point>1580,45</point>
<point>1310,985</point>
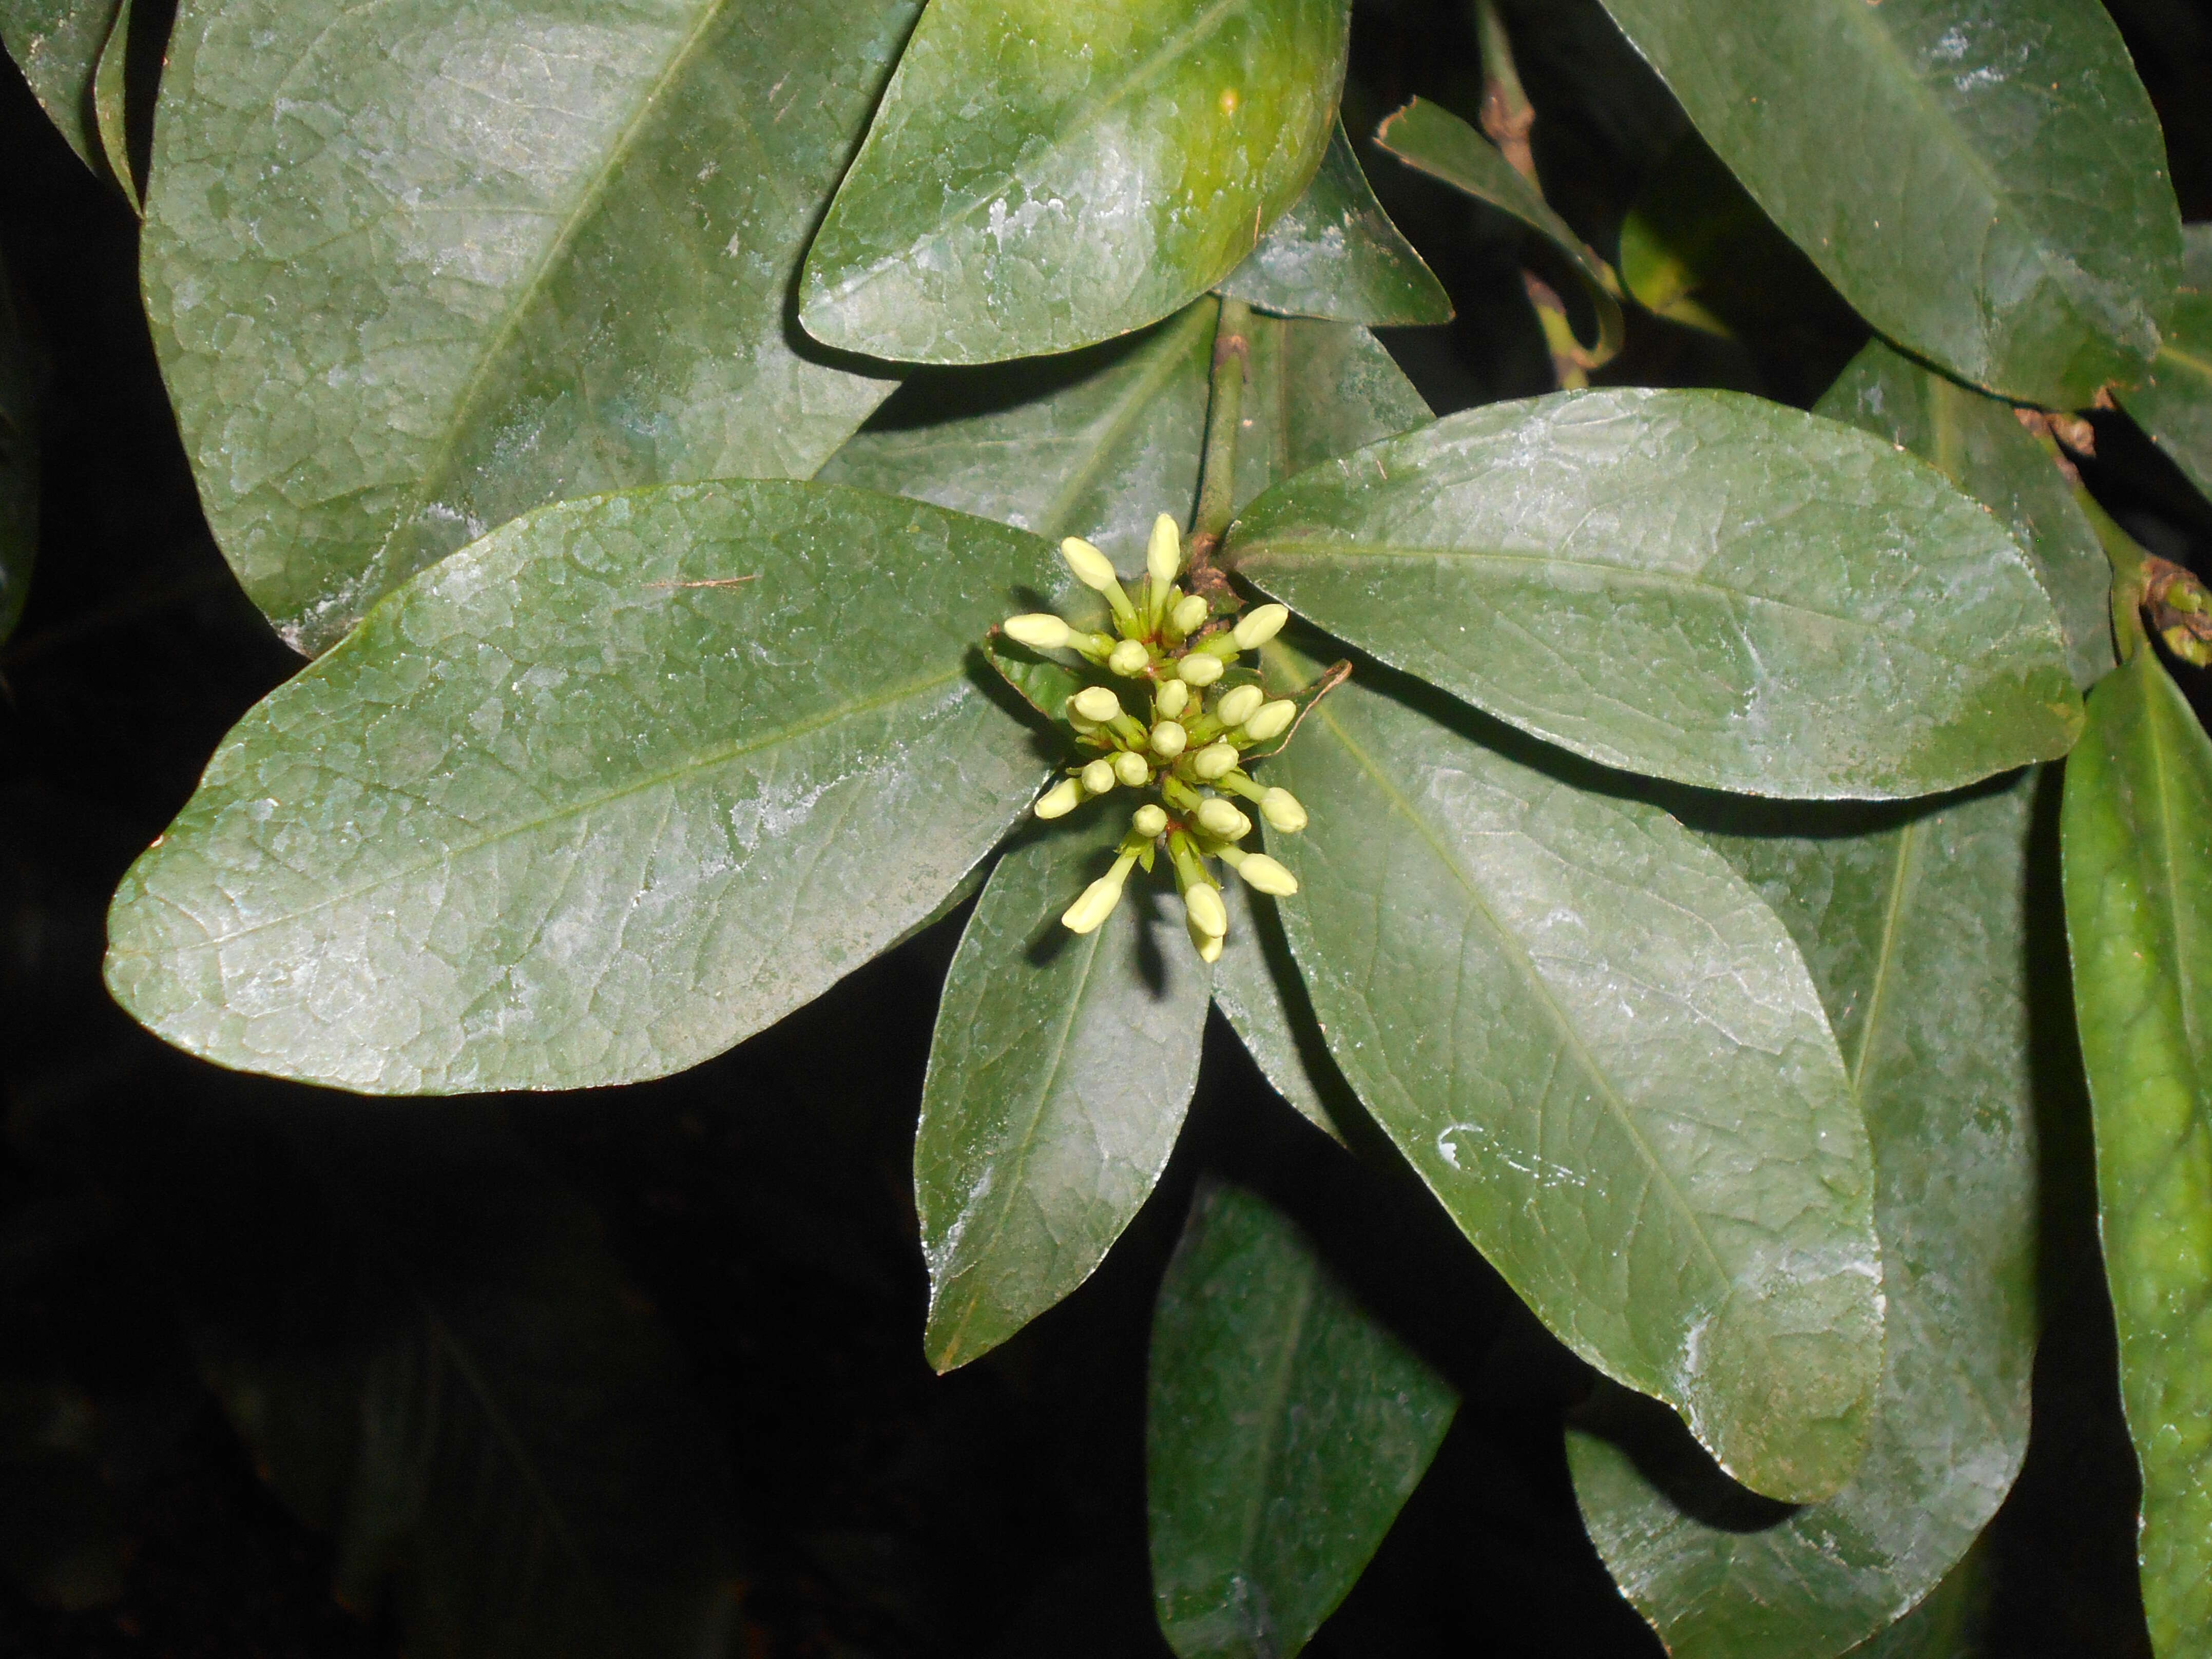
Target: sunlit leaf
<point>1913,929</point>
<point>2174,403</point>
<point>1603,1054</point>
<point>1285,1428</point>
<point>1987,186</point>
<point>2137,834</point>
<point>623,783</point>
<point>416,268</point>
<point>1059,1075</point>
<point>57,44</point>
<point>1336,255</point>
<point>1694,585</point>
<point>1043,174</point>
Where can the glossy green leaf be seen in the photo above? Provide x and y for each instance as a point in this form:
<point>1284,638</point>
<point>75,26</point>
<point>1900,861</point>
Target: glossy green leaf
<point>627,780</point>
<point>484,1414</point>
<point>1285,1428</point>
<point>1694,585</point>
<point>2136,836</point>
<point>1043,174</point>
<point>1059,1075</point>
<point>1429,138</point>
<point>56,43</point>
<point>1987,186</point>
<point>1336,255</point>
<point>1915,933</point>
<point>109,93</point>
<point>1314,391</point>
<point>1978,444</point>
<point>19,463</point>
<point>2174,403</point>
<point>1603,1054</point>
<point>1256,987</point>
<point>415,269</point>
<point>1951,1624</point>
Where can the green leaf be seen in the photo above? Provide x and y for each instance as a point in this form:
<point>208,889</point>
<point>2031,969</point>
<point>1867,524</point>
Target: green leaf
<point>1694,585</point>
<point>415,269</point>
<point>1336,255</point>
<point>1285,1428</point>
<point>624,782</point>
<point>484,1414</point>
<point>1602,1053</point>
<point>2136,835</point>
<point>2174,403</point>
<point>19,463</point>
<point>1047,173</point>
<point>110,77</point>
<point>1430,138</point>
<point>1987,187</point>
<point>57,43</point>
<point>1951,1624</point>
<point>1256,987</point>
<point>1915,933</point>
<point>1979,445</point>
<point>1059,1075</point>
<point>1314,391</point>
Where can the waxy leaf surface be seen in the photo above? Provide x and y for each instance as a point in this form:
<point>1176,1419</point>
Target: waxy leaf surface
<point>2174,403</point>
<point>1693,584</point>
<point>56,44</point>
<point>110,97</point>
<point>623,783</point>
<point>1257,989</point>
<point>1987,186</point>
<point>416,268</point>
<point>1979,443</point>
<point>19,464</point>
<point>2136,833</point>
<point>1060,1069</point>
<point>1285,1427</point>
<point>1336,255</point>
<point>1043,174</point>
<point>1914,932</point>
<point>1603,1054</point>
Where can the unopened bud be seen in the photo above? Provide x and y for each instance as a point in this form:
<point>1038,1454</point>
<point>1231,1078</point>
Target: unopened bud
<point>1129,658</point>
<point>1256,627</point>
<point>1263,874</point>
<point>1163,556</point>
<point>1098,777</point>
<point>1199,669</point>
<point>1095,704</point>
<point>1272,720</point>
<point>1207,945</point>
<point>1040,630</point>
<point>1130,766</point>
<point>1096,904</point>
<point>1190,614</point>
<point>1219,818</point>
<point>1167,740</point>
<point>1282,811</point>
<point>1207,913</point>
<point>2186,646</point>
<point>1212,761</point>
<point>1061,799</point>
<point>1239,704</point>
<point>1148,820</point>
<point>1092,567</point>
<point>1172,698</point>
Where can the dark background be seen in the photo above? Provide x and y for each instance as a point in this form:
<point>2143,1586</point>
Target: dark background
<point>761,1203</point>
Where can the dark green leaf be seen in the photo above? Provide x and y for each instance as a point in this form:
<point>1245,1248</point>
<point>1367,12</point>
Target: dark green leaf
<point>1979,445</point>
<point>2136,834</point>
<point>56,43</point>
<point>1431,138</point>
<point>19,463</point>
<point>1284,1430</point>
<point>1987,186</point>
<point>1255,983</point>
<point>627,780</point>
<point>1951,1624</point>
<point>1314,391</point>
<point>1914,933</point>
<point>1059,1076</point>
<point>1047,173</point>
<point>1603,1054</point>
<point>1695,585</point>
<point>109,88</point>
<point>2174,403</point>
<point>415,269</point>
<point>1336,255</point>
<point>482,1412</point>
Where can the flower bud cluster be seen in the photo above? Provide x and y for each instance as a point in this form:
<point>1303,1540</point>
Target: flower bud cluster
<point>1171,719</point>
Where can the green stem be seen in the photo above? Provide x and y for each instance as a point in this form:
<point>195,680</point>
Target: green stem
<point>1507,115</point>
<point>2128,572</point>
<point>1224,415</point>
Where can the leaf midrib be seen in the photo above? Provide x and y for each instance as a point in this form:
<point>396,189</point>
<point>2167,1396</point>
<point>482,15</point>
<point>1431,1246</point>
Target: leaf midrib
<point>1120,415</point>
<point>712,761</point>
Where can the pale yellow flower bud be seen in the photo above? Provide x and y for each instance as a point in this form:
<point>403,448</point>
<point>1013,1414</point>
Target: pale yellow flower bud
<point>1148,820</point>
<point>1214,760</point>
<point>1256,627</point>
<point>1164,557</point>
<point>1265,875</point>
<point>1190,614</point>
<point>1061,799</point>
<point>1207,913</point>
<point>1238,704</point>
<point>1098,903</point>
<point>1199,669</point>
<point>1172,698</point>
<point>1282,811</point>
<point>1095,704</point>
<point>1272,720</point>
<point>1098,777</point>
<point>1129,766</point>
<point>1092,567</point>
<point>1128,659</point>
<point>1167,740</point>
<point>1219,818</point>
<point>1040,630</point>
<point>1208,947</point>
